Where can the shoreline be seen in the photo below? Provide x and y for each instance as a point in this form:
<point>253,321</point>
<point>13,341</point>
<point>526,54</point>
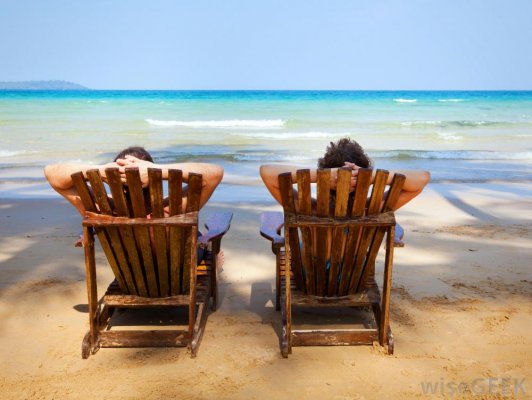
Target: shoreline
<point>461,309</point>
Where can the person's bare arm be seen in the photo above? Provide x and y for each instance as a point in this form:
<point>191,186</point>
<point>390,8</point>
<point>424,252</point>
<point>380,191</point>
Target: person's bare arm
<point>414,184</point>
<point>212,176</point>
<point>270,177</point>
<point>59,177</point>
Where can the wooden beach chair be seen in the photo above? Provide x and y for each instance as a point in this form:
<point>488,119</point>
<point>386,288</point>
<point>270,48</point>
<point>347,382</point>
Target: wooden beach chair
<point>326,256</point>
<point>153,256</point>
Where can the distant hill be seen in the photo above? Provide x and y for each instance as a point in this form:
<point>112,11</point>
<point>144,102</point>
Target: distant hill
<point>41,85</point>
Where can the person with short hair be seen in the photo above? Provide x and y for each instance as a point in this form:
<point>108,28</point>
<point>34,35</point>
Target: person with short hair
<point>59,175</point>
<point>345,153</point>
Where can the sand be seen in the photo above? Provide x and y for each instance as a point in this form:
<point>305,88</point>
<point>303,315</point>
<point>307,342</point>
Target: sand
<point>461,312</point>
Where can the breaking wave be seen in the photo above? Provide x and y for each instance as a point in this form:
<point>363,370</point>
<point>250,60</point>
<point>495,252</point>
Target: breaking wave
<point>230,123</point>
<point>459,123</point>
<point>9,153</point>
<point>452,155</point>
<point>405,100</point>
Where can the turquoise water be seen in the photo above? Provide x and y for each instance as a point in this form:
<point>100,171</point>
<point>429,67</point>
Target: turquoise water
<point>458,136</point>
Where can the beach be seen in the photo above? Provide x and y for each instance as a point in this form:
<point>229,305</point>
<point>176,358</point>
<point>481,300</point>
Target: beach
<point>461,311</point>
<point>462,287</point>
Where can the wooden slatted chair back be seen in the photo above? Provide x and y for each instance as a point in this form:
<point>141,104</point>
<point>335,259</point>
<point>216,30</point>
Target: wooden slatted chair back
<point>332,242</point>
<point>147,260</point>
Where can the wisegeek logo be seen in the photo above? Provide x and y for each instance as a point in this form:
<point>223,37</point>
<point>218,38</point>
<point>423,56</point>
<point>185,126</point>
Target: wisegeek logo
<point>506,387</point>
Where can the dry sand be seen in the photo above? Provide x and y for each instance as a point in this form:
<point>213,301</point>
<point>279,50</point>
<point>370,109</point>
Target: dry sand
<point>461,312</point>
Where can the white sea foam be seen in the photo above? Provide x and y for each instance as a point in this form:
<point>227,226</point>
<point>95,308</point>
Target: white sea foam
<point>452,155</point>
<point>287,135</point>
<point>420,123</point>
<point>405,100</point>
<point>263,157</point>
<point>8,153</point>
<point>460,123</point>
<point>231,123</point>
<point>449,136</point>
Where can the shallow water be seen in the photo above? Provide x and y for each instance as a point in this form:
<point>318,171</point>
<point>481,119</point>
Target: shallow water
<point>458,136</point>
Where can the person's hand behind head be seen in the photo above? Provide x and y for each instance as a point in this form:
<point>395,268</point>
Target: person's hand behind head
<point>133,162</point>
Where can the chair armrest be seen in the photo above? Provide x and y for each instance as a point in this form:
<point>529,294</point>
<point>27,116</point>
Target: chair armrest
<point>399,234</point>
<point>270,224</point>
<point>217,224</point>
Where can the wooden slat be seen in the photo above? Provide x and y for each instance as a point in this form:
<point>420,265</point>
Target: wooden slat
<point>129,338</point>
<point>98,189</point>
<point>322,234</point>
<point>155,177</point>
<point>194,192</point>
<point>117,190</point>
<point>100,220</point>
<point>175,191</point>
<point>377,194</point>
<point>395,190</point>
<point>303,189</point>
<point>342,192</point>
<point>330,337</point>
<point>389,204</point>
<point>159,232</point>
<point>142,233</point>
<point>130,301</point>
<point>176,242</point>
<point>369,264</point>
<point>193,204</point>
<point>187,262</point>
<point>355,233</point>
<point>368,268</point>
<point>287,194</point>
<point>374,207</point>
<point>83,191</point>
<point>361,191</point>
<point>122,273</point>
<point>305,208</point>
<point>375,220</point>
<point>365,298</point>
<point>122,209</point>
<point>88,202</point>
<point>338,240</point>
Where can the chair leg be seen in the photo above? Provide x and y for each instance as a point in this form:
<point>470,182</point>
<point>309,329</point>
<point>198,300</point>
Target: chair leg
<point>88,346</point>
<point>285,333</point>
<point>390,341</point>
<point>384,323</point>
<point>91,341</point>
<point>199,329</point>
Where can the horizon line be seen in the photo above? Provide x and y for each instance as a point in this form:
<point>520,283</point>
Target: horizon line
<point>273,90</point>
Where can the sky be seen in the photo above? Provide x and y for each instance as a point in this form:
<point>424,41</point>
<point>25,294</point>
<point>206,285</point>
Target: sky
<point>270,44</point>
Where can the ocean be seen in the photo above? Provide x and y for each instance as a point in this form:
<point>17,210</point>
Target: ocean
<point>459,136</point>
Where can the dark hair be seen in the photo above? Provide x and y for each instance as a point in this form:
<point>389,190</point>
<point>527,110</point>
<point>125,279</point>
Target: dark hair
<point>136,151</point>
<point>344,150</point>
